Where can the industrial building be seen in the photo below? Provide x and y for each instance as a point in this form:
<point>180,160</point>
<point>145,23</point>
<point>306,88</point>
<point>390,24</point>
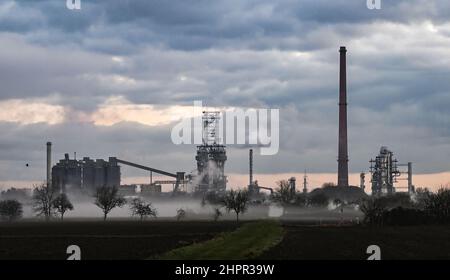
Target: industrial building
<point>86,174</point>
<point>385,173</point>
<point>89,174</point>
<point>211,157</point>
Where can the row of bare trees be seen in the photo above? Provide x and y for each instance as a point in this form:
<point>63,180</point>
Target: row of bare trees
<point>108,198</point>
<point>425,207</point>
<point>48,202</point>
<point>285,196</point>
<point>45,203</point>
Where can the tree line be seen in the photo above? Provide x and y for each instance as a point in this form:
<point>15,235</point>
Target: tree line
<point>423,207</point>
<point>49,202</point>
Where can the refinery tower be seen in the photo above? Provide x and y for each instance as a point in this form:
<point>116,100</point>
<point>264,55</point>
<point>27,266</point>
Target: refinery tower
<point>211,156</point>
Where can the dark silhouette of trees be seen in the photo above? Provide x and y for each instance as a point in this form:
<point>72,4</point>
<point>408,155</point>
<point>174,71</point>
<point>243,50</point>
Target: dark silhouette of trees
<point>16,194</point>
<point>10,210</point>
<point>283,194</point>
<point>236,201</point>
<point>373,209</point>
<point>318,199</point>
<point>108,198</point>
<point>43,197</point>
<point>400,216</point>
<point>62,204</point>
<point>140,208</point>
<point>328,184</point>
<point>428,207</point>
<point>301,199</point>
<point>437,205</point>
<point>420,197</point>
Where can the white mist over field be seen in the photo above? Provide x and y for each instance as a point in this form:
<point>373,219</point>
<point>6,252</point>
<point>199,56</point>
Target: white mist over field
<point>167,209</point>
<point>275,211</point>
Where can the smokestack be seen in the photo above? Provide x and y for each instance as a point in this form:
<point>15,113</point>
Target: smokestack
<point>362,180</point>
<point>250,160</point>
<point>305,183</point>
<point>343,151</point>
<point>410,185</point>
<point>49,163</point>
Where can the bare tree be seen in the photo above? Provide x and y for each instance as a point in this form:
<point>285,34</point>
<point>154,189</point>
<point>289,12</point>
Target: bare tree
<point>62,204</point>
<point>420,197</point>
<point>10,209</point>
<point>284,193</point>
<point>373,210</point>
<point>217,214</point>
<point>140,208</point>
<point>107,198</point>
<point>236,201</point>
<point>181,214</point>
<point>438,205</point>
<point>43,197</point>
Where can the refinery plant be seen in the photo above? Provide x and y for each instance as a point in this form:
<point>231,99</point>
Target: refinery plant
<point>88,174</point>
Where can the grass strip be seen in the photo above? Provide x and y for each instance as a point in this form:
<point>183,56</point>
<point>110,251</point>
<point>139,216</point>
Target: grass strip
<point>247,242</point>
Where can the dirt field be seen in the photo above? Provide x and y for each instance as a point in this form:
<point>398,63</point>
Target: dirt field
<point>332,242</point>
<point>102,240</point>
<point>119,239</point>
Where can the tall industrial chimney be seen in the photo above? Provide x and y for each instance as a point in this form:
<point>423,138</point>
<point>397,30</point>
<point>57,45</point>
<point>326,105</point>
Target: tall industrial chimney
<point>410,185</point>
<point>49,163</point>
<point>343,151</point>
<point>250,161</point>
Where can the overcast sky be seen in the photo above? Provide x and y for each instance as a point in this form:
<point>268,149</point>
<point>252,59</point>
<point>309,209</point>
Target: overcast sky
<point>111,79</point>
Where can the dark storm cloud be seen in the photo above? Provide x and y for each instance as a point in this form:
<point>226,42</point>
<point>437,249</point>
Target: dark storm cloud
<point>272,54</point>
<point>200,24</point>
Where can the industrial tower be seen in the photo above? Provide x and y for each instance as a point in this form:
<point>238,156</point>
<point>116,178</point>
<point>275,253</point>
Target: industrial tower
<point>343,151</point>
<point>385,173</point>
<point>211,156</point>
<point>305,183</point>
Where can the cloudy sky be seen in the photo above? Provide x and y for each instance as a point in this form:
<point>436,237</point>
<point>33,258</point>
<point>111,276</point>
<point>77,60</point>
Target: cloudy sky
<point>113,78</point>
